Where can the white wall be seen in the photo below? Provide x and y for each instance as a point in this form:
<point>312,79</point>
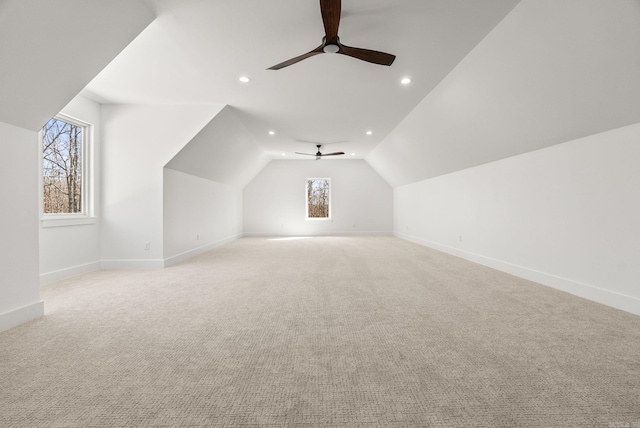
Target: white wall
<point>223,151</point>
<point>19,284</point>
<point>70,250</point>
<point>565,216</point>
<point>274,201</point>
<point>137,142</point>
<point>199,215</point>
<point>30,94</point>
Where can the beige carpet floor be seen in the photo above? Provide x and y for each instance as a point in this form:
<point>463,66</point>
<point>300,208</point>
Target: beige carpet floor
<point>319,332</point>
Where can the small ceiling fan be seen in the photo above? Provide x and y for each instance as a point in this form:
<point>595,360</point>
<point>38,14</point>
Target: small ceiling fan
<point>320,155</point>
<point>331,10</point>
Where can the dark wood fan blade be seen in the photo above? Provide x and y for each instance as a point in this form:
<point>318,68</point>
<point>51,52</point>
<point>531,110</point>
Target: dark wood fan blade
<point>308,154</point>
<point>292,61</point>
<point>331,19</point>
<point>368,55</point>
<point>331,154</point>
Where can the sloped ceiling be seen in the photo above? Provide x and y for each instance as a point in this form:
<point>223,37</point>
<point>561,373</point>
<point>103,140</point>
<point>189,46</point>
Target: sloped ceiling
<point>223,151</point>
<point>196,50</point>
<point>50,50</point>
<point>550,72</point>
<point>491,78</point>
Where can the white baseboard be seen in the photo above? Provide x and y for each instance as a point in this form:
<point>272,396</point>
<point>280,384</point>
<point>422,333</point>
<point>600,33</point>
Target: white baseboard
<point>586,291</point>
<point>336,233</point>
<point>21,315</point>
<point>49,277</point>
<point>132,264</point>
<point>170,261</point>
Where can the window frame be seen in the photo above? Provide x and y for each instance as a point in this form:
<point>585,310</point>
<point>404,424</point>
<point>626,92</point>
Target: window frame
<point>306,200</point>
<point>86,216</point>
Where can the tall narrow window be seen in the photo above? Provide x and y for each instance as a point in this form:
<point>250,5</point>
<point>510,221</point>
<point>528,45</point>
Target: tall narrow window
<point>318,198</point>
<point>65,183</point>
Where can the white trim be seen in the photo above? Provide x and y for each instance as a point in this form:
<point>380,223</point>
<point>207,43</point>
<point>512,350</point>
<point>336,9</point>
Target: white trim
<point>18,316</point>
<point>50,277</point>
<point>586,291</point>
<point>66,221</point>
<point>132,264</point>
<point>58,275</point>
<point>335,233</point>
<point>88,190</point>
<point>306,200</point>
<point>170,261</point>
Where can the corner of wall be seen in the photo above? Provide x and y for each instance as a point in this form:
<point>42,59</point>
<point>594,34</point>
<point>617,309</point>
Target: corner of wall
<point>173,260</point>
<point>15,317</point>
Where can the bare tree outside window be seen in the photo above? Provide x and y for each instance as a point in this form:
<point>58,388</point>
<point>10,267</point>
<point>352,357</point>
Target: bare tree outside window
<point>318,198</point>
<point>62,167</point>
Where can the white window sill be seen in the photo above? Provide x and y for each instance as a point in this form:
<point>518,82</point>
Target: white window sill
<point>66,221</point>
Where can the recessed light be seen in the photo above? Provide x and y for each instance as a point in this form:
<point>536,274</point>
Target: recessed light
<point>405,81</point>
<point>284,154</point>
<point>244,79</point>
<point>272,132</point>
<point>369,132</point>
<point>353,154</point>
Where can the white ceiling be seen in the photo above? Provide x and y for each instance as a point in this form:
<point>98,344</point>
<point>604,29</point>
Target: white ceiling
<point>491,78</point>
<point>44,62</point>
<point>550,72</point>
<point>195,51</point>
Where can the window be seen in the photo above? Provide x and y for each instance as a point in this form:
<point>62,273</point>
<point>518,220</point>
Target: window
<point>318,198</point>
<point>66,192</point>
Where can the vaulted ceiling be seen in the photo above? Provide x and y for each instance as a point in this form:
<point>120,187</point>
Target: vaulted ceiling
<point>50,50</point>
<point>552,71</point>
<point>196,51</point>
<point>490,78</point>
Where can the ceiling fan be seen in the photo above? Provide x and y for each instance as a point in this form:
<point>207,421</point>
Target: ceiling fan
<point>320,155</point>
<point>331,10</point>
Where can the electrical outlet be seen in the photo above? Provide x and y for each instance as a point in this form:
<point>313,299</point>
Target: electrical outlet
<point>147,245</point>
<point>460,238</point>
<point>197,237</point>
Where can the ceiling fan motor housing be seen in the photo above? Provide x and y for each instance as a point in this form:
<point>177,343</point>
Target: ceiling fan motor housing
<point>331,10</point>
